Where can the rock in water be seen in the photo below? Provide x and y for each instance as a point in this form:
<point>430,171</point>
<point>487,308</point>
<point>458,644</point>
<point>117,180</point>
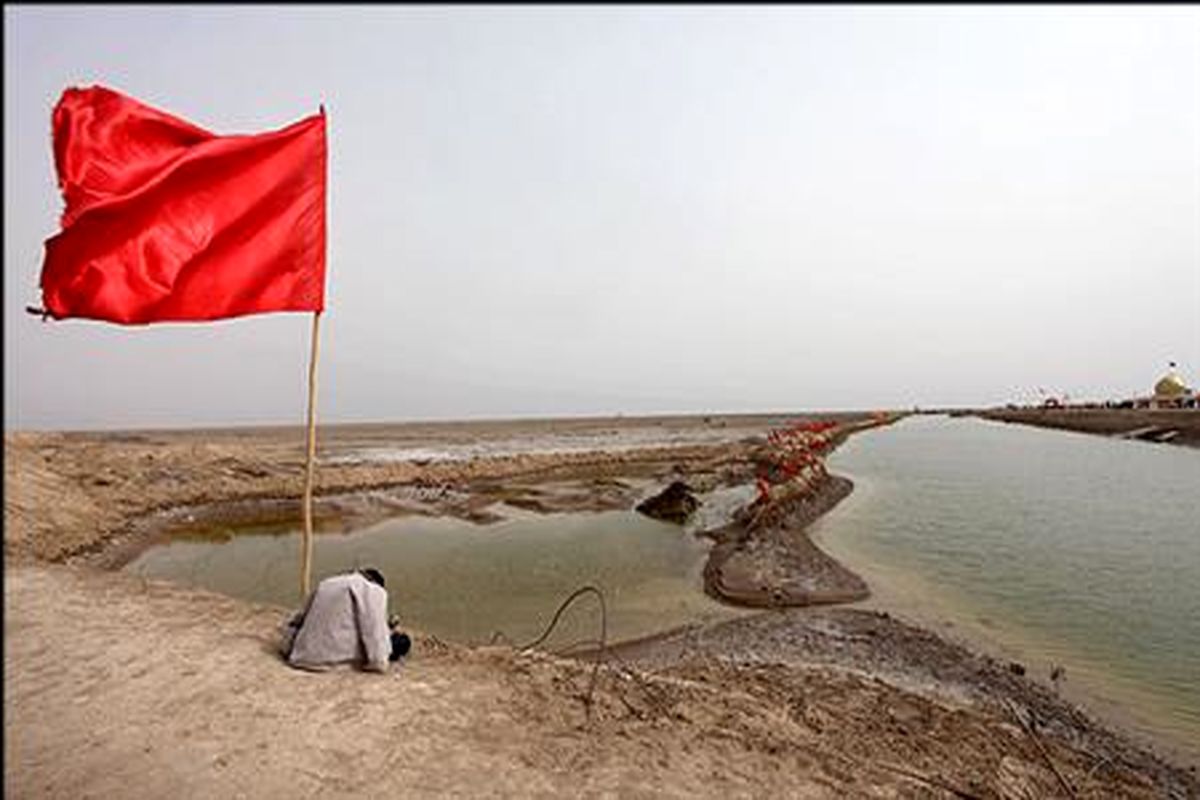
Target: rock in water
<point>673,504</point>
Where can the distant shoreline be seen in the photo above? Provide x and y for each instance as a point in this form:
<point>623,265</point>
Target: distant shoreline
<point>1135,423</point>
<point>451,423</point>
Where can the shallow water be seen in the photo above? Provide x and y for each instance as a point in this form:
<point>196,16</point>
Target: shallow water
<point>1064,548</point>
<point>465,582</point>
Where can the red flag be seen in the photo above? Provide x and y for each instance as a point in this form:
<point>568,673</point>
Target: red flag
<point>165,221</point>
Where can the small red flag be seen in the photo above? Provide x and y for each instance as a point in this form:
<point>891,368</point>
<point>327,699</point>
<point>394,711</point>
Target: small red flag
<point>165,221</point>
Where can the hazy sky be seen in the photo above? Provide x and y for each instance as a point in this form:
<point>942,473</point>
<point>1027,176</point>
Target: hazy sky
<point>600,210</point>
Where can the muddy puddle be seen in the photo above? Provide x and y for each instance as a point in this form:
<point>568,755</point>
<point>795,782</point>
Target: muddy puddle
<point>469,582</point>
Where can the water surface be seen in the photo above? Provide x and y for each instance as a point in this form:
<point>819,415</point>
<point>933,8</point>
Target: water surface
<point>1065,548</point>
<point>465,582</point>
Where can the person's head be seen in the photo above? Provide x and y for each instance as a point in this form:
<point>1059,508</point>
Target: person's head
<point>401,644</point>
<point>373,575</point>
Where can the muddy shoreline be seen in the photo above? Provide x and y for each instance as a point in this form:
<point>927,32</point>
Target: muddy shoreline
<point>90,501</point>
<point>779,566</point>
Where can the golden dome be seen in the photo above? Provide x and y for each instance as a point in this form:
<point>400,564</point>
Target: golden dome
<point>1170,385</point>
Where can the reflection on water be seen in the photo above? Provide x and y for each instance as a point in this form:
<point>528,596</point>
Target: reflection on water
<point>1081,550</point>
<point>464,582</point>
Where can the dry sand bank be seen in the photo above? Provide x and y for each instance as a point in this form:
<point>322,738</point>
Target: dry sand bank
<point>124,688</point>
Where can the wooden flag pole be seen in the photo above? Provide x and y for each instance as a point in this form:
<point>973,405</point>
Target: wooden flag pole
<point>306,559</point>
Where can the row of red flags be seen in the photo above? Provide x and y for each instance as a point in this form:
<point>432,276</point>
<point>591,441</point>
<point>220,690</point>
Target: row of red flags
<point>166,221</point>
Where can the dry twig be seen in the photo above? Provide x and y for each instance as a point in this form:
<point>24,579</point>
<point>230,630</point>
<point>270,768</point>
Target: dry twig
<point>1028,726</point>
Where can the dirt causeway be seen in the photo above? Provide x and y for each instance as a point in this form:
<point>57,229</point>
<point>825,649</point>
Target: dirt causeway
<point>1182,425</point>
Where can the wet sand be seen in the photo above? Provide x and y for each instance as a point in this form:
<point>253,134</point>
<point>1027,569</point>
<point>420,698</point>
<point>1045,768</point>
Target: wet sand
<point>164,690</point>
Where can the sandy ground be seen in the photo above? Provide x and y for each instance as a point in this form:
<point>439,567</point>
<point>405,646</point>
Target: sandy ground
<point>117,687</point>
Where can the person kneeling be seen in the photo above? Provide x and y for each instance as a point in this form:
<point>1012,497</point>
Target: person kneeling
<point>345,621</point>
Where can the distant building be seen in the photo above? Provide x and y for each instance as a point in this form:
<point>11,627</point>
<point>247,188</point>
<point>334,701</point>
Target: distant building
<point>1169,392</point>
